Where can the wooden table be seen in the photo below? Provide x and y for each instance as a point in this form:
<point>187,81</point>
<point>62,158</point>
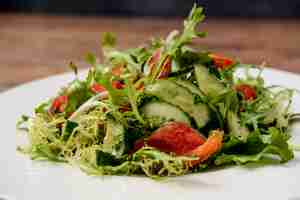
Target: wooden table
<point>33,47</point>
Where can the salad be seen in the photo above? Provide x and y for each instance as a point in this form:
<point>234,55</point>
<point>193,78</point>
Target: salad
<point>162,109</point>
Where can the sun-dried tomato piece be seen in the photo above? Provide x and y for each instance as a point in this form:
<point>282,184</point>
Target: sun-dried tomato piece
<point>248,92</point>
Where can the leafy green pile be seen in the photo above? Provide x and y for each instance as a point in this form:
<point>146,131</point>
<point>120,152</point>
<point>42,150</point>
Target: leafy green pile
<point>94,123</point>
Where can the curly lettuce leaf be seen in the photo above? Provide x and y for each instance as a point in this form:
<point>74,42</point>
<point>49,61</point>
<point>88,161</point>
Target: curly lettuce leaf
<point>274,144</point>
<point>46,152</point>
<point>148,161</point>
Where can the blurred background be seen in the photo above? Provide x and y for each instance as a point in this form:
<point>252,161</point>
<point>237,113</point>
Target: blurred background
<point>237,8</point>
<point>38,37</point>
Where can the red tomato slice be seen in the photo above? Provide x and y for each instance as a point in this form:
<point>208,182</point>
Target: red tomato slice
<point>118,84</point>
<point>97,88</point>
<point>138,144</point>
<point>176,137</point>
<point>59,103</point>
<point>221,62</point>
<point>247,91</point>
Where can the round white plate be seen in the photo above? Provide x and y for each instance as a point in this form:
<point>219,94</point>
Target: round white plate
<point>21,178</point>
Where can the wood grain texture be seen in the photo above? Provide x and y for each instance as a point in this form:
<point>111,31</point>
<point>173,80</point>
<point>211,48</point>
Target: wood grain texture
<point>33,47</point>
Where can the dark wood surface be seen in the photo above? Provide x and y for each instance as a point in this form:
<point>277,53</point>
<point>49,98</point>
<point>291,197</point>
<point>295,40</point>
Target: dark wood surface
<point>33,47</point>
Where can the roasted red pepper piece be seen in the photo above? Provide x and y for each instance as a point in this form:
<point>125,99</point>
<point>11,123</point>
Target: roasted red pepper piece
<point>248,92</point>
<point>59,103</point>
<point>221,62</point>
<point>153,61</point>
<point>212,145</point>
<point>165,68</point>
<point>176,137</point>
<point>97,88</point>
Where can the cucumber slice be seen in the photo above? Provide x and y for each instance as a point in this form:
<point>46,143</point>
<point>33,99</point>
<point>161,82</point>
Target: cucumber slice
<point>114,140</point>
<point>164,110</point>
<point>181,97</point>
<point>192,88</point>
<point>208,83</point>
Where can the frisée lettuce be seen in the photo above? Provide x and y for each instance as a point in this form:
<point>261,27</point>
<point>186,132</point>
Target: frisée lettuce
<point>165,109</point>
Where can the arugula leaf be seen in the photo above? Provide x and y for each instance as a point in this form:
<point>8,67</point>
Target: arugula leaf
<point>173,46</point>
<point>279,145</point>
<point>237,159</point>
<point>133,99</point>
<point>189,31</point>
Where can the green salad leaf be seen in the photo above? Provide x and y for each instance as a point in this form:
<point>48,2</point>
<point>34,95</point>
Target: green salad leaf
<point>162,109</point>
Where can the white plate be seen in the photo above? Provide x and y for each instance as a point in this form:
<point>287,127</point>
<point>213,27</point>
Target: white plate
<point>21,178</point>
